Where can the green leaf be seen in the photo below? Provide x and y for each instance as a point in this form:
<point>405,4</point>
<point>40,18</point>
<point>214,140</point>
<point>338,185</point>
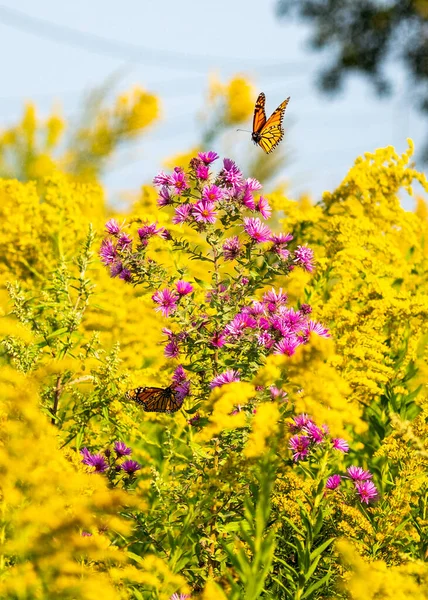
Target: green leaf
<point>316,586</point>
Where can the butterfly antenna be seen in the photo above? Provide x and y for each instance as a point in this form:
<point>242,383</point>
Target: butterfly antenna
<point>246,130</point>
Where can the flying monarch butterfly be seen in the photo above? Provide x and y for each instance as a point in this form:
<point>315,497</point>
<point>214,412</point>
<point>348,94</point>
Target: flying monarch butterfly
<point>154,399</point>
<point>268,134</point>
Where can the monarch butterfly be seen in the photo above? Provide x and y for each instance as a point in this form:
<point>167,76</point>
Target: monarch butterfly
<point>154,399</point>
<point>268,134</point>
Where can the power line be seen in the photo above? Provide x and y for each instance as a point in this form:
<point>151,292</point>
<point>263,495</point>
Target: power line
<point>124,50</point>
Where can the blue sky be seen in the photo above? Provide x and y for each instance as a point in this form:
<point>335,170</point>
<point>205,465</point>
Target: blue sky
<point>182,43</point>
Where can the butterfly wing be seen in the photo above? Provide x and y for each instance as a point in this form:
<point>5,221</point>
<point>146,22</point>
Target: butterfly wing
<point>272,132</point>
<point>154,399</point>
<point>259,118</point>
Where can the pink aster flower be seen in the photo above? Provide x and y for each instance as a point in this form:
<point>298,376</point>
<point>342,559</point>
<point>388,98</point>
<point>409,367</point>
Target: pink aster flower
<point>147,231</point>
<point>333,482</point>
<point>212,193</point>
<point>366,490</point>
<point>245,281</point>
<point>112,227</point>
<point>247,199</point>
<point>304,257</point>
<point>314,326</point>
<point>229,376</point>
<point>218,340</point>
<point>230,172</point>
<point>208,157</point>
<point>123,241</point>
<point>108,252</point>
<point>340,444</point>
<point>256,230</point>
<point>204,212</point>
<point>315,433</point>
<point>183,288</point>
<point>182,213</point>
<point>299,444</point>
<point>306,309</point>
<point>231,248</point>
<point>202,172</point>
<point>165,197</point>
<point>275,298</point>
<point>264,208</point>
<point>287,345</point>
<point>239,323</point>
<point>166,300</point>
<point>278,394</point>
<point>265,339</point>
<point>281,238</point>
<point>162,179</point>
<point>359,474</point>
<point>178,180</point>
<point>299,422</point>
<point>253,185</point>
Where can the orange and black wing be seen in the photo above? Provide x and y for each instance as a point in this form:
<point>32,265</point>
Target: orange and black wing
<point>154,399</point>
<point>272,132</point>
<point>259,118</point>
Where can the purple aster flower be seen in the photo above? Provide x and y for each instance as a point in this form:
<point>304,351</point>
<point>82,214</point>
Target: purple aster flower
<point>247,199</point>
<point>204,212</point>
<point>171,349</point>
<point>306,309</point>
<point>166,300</point>
<point>229,376</point>
<point>315,433</point>
<point>304,257</point>
<point>97,461</point>
<point>299,444</point>
<point>281,238</point>
<point>125,274</point>
<point>212,193</point>
<point>122,449</point>
<point>239,323</point>
<point>183,288</point>
<point>245,281</point>
<point>366,490</point>
<point>179,182</point>
<point>108,252</point>
<point>112,227</point>
<point>340,444</point>
<point>162,179</point>
<point>202,172</point>
<point>208,157</point>
<point>179,374</point>
<point>358,474</point>
<point>165,197</point>
<point>124,240</point>
<point>299,422</point>
<point>287,345</point>
<point>256,230</point>
<point>194,420</point>
<point>230,172</point>
<point>265,339</point>
<point>318,329</point>
<point>253,185</point>
<point>147,231</point>
<point>182,390</point>
<point>275,298</point>
<point>231,248</point>
<point>264,208</point>
<point>181,596</point>
<point>218,340</point>
<point>333,482</point>
<point>130,466</point>
<point>182,213</point>
<point>277,394</point>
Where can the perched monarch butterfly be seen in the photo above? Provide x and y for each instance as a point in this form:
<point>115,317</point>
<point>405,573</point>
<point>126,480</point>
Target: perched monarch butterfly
<point>154,399</point>
<point>268,134</point>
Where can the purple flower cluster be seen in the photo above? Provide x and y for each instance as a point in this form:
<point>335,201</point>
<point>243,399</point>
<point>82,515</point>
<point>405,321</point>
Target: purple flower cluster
<point>273,325</point>
<point>308,436</point>
<point>363,485</point>
<point>108,461</point>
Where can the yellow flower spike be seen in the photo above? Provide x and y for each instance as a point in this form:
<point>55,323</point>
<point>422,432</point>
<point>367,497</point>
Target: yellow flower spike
<point>264,427</point>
